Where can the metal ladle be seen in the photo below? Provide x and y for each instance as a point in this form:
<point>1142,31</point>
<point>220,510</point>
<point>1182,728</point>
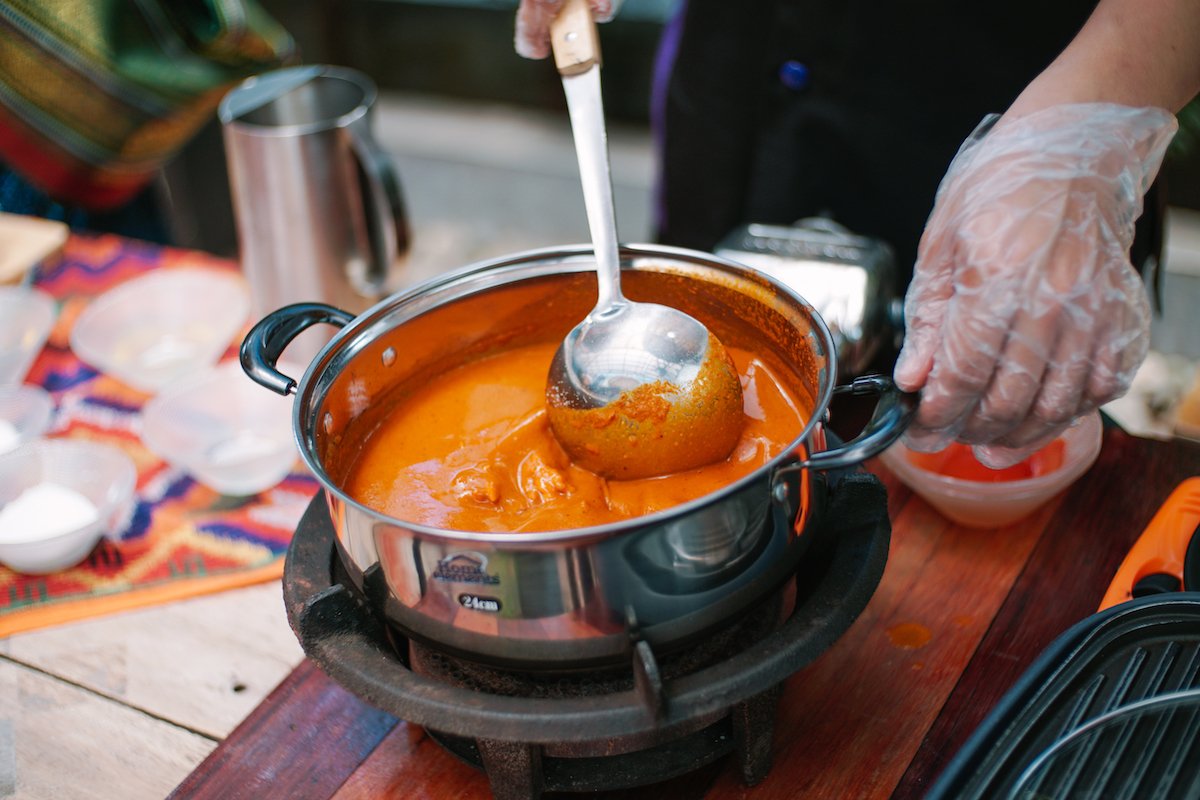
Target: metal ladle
<point>635,389</point>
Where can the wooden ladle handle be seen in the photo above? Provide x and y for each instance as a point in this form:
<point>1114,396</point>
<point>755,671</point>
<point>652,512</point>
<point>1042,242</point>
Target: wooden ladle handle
<point>573,38</point>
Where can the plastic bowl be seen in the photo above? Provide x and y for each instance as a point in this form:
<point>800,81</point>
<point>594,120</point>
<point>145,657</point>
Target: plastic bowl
<point>166,324</point>
<point>25,413</point>
<point>26,317</point>
<point>43,540</point>
<point>977,504</point>
<point>223,429</point>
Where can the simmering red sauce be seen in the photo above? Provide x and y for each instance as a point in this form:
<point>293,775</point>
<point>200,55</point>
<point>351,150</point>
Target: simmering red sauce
<point>957,461</point>
<point>473,451</point>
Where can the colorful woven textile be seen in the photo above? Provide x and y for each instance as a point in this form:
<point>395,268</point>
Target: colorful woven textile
<point>183,539</point>
<point>95,96</point>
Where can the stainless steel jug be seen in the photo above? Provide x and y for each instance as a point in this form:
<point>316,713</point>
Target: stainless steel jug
<point>317,203</point>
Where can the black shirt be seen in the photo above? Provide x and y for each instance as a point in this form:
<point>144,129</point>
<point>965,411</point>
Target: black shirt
<point>774,110</point>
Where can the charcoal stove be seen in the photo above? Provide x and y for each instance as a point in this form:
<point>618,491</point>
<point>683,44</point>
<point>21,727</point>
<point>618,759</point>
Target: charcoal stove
<point>588,730</point>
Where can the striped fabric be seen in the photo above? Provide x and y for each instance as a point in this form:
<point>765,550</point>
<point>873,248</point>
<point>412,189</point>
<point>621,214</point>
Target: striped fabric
<point>95,95</point>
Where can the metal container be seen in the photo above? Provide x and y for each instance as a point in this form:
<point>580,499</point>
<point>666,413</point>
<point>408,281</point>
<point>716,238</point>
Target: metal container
<point>316,200</point>
<point>573,598</point>
<point>850,279</point>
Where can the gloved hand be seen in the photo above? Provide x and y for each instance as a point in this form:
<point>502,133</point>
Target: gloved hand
<point>1024,311</point>
<point>534,18</point>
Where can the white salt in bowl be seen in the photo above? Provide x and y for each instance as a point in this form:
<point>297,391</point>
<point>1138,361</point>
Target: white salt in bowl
<point>26,318</point>
<point>222,429</point>
<point>58,497</point>
<point>25,414</point>
<point>161,326</point>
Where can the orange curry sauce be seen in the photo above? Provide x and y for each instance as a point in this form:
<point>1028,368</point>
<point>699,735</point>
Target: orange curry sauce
<point>473,451</point>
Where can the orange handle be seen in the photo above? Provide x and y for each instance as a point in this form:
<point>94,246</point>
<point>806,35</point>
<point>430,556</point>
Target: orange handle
<point>1162,545</point>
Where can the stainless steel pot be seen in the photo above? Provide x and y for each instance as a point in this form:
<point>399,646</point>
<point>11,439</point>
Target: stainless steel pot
<point>579,597</point>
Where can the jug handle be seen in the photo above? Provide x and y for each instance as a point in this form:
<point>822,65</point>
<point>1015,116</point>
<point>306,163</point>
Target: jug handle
<point>266,341</point>
<point>383,207</point>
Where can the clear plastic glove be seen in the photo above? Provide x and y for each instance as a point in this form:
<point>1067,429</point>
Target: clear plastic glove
<point>1024,311</point>
<point>534,18</point>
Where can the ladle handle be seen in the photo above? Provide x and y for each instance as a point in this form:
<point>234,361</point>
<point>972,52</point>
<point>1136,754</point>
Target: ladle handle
<point>574,39</point>
<point>266,341</point>
<point>577,56</point>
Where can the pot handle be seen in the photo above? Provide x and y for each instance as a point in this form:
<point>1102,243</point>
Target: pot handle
<point>892,414</point>
<point>266,341</point>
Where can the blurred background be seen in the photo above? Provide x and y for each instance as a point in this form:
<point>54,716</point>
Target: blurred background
<point>483,147</point>
<point>480,135</point>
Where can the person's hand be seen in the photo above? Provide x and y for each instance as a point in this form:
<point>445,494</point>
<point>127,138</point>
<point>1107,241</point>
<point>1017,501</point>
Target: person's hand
<point>1024,311</point>
<point>534,18</point>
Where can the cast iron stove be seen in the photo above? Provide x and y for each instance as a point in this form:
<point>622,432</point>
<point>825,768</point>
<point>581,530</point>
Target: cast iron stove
<point>662,716</point>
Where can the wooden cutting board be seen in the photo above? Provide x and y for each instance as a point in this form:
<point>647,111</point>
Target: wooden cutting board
<point>25,242</point>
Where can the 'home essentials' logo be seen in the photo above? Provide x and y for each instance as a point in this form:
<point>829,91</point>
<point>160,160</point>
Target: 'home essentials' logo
<point>477,603</point>
<point>469,567</point>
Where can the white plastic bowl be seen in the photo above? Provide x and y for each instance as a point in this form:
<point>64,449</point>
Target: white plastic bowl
<point>163,325</point>
<point>223,429</point>
<point>990,505</point>
<point>99,472</point>
<point>25,413</point>
<point>26,318</point>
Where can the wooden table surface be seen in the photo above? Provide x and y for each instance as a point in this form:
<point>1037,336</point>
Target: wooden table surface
<point>125,706</point>
<point>958,616</point>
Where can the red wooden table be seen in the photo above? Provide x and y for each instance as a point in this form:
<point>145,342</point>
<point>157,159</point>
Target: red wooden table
<point>958,616</point>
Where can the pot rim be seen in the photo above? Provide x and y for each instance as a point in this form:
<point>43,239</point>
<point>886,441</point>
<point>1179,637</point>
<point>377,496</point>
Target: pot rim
<point>564,254</point>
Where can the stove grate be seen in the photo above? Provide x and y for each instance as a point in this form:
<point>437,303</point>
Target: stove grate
<point>659,718</point>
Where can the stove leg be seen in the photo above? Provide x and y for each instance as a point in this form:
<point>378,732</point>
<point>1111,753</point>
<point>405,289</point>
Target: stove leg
<point>514,769</point>
<point>754,733</point>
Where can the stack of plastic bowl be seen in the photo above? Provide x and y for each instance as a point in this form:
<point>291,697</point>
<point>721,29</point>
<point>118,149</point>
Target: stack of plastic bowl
<point>162,326</point>
<point>163,334</point>
<point>223,429</point>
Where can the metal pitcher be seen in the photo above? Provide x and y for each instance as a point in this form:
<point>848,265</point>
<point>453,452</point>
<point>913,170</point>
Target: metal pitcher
<point>317,203</point>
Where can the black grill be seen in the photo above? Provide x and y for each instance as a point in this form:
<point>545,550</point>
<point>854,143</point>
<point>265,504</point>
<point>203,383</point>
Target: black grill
<point>1110,710</point>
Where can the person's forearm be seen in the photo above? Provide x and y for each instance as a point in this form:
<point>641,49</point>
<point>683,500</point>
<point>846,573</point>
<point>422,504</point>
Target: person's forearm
<point>1131,52</point>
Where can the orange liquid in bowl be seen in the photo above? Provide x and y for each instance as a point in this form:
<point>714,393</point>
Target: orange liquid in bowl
<point>957,461</point>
